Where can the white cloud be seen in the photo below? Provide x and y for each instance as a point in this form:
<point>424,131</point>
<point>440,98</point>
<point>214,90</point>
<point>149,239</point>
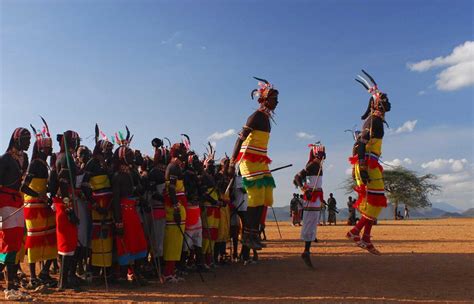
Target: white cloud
<point>348,171</point>
<point>458,165</point>
<point>440,164</point>
<point>460,67</point>
<point>456,77</point>
<point>407,127</point>
<point>397,162</point>
<point>453,177</point>
<point>421,93</point>
<point>179,46</point>
<point>220,135</point>
<point>461,53</point>
<point>304,135</point>
<point>203,47</point>
<point>456,177</point>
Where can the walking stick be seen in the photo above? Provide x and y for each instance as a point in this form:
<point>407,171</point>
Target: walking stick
<point>68,163</point>
<point>187,245</point>
<point>276,220</point>
<point>151,241</point>
<point>236,210</point>
<point>102,224</point>
<point>127,252</point>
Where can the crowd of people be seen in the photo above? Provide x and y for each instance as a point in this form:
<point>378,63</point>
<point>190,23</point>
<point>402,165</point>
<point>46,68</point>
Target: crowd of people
<point>118,215</point>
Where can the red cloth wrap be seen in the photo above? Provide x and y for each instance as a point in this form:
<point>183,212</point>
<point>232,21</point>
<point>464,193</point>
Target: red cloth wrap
<point>103,199</point>
<point>42,240</point>
<point>254,158</point>
<point>373,199</point>
<point>377,200</point>
<point>314,196</point>
<point>10,198</point>
<point>193,213</point>
<point>66,232</point>
<point>33,213</point>
<point>11,238</point>
<point>372,162</point>
<point>133,240</point>
<point>361,193</point>
<point>45,212</point>
<point>215,212</point>
<point>182,199</point>
<point>158,213</point>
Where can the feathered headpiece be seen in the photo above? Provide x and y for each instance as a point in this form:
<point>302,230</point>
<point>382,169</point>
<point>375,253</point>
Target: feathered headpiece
<point>178,150</point>
<point>121,140</point>
<point>186,141</point>
<point>262,92</point>
<point>317,150</point>
<point>124,155</point>
<point>225,159</point>
<point>211,153</point>
<point>18,135</point>
<point>43,137</point>
<point>377,95</point>
<point>102,141</point>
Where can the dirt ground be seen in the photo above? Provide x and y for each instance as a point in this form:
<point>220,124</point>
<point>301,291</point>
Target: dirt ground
<point>423,261</point>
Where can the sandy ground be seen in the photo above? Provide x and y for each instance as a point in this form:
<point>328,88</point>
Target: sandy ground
<point>423,261</point>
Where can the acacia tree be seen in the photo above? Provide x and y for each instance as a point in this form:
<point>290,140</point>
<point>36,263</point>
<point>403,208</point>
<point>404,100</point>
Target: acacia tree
<point>404,186</point>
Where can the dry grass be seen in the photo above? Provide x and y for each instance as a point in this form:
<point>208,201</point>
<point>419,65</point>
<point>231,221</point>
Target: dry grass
<point>423,261</point>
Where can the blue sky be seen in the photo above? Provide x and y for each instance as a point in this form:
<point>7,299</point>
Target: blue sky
<point>170,67</point>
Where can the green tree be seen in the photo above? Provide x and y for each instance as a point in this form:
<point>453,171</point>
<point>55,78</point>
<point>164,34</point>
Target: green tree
<point>404,186</point>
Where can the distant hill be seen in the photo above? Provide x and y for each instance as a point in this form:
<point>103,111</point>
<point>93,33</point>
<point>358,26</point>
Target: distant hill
<point>452,214</point>
<point>426,213</point>
<point>447,207</point>
<point>468,213</point>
